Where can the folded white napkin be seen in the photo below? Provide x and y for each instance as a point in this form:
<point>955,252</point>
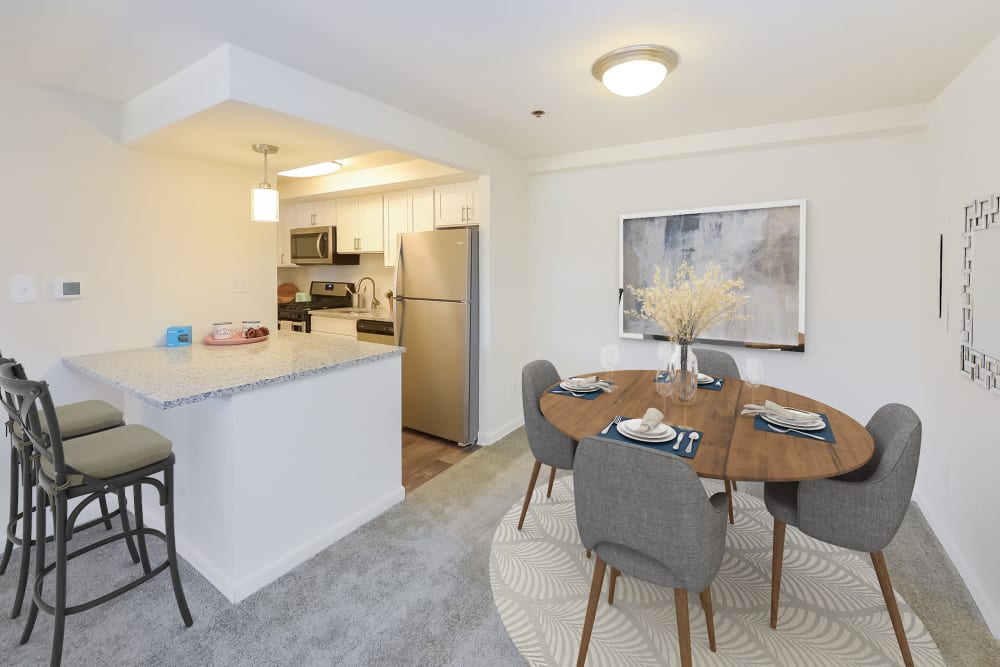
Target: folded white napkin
<point>772,408</point>
<point>650,420</point>
<point>587,383</point>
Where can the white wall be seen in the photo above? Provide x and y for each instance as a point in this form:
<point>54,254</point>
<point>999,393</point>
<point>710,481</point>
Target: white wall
<point>864,198</point>
<point>154,238</point>
<point>961,455</point>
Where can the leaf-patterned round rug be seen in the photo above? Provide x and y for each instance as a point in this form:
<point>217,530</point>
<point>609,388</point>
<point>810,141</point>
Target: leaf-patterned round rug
<point>831,613</point>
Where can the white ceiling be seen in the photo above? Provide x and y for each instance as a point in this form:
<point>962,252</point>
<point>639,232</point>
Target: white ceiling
<point>480,68</point>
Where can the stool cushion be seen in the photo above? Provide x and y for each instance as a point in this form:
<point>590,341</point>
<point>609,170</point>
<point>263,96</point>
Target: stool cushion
<point>83,418</point>
<point>111,453</point>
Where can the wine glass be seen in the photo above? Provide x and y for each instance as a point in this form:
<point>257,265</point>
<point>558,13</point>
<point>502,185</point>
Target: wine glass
<point>754,375</point>
<point>610,357</point>
<point>664,380</point>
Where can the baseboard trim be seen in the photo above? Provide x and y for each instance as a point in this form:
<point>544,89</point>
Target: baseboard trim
<point>487,438</point>
<point>978,591</point>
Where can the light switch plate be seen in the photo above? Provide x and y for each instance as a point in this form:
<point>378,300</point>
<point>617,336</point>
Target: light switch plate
<point>23,288</point>
<point>238,283</point>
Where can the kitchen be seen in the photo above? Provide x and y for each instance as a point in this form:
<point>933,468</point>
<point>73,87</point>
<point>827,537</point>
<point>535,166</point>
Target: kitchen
<point>339,276</point>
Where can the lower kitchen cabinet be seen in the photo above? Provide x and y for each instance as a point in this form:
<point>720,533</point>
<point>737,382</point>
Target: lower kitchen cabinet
<point>334,326</point>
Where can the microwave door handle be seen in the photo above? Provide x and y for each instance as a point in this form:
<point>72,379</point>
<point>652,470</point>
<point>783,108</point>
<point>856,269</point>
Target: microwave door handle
<point>319,243</point>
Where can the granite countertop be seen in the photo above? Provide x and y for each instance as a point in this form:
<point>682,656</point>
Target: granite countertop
<point>382,315</point>
<point>166,377</point>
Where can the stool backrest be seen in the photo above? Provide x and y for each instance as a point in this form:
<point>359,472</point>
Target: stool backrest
<point>23,399</point>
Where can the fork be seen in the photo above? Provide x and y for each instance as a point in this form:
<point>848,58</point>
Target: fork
<point>792,430</point>
<point>616,420</point>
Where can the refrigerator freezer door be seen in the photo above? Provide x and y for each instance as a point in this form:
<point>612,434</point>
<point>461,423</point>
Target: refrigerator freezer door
<point>436,265</point>
<point>436,368</point>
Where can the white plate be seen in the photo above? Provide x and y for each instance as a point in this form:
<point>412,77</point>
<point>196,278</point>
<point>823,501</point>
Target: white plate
<point>817,425</point>
<point>662,433</point>
<point>580,389</point>
<point>705,379</point>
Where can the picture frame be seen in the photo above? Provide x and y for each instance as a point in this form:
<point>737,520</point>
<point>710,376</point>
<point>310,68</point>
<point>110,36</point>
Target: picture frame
<point>762,243</point>
<point>980,299</point>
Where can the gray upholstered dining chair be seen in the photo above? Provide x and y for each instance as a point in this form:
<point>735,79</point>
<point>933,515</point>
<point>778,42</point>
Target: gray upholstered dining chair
<point>861,510</point>
<point>719,364</point>
<point>547,444</point>
<point>645,513</point>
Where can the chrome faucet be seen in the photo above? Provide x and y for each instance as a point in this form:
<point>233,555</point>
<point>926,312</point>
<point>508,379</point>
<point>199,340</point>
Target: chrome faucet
<point>374,303</point>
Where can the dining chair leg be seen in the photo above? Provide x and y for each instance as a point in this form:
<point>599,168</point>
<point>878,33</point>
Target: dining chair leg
<point>683,625</point>
<point>531,488</point>
<point>8,547</point>
<point>729,497</point>
<point>878,560</point>
<point>552,478</point>
<point>615,573</point>
<point>139,525</point>
<point>40,510</point>
<point>27,484</point>
<point>777,554</point>
<point>706,604</point>
<point>588,620</point>
<point>59,608</point>
<point>103,502</point>
<point>588,553</point>
<point>734,486</point>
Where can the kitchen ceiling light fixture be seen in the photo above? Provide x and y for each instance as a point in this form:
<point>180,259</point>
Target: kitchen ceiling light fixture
<point>634,70</point>
<point>264,198</point>
<point>318,169</point>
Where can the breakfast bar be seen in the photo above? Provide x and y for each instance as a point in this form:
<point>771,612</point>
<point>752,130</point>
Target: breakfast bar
<point>281,450</point>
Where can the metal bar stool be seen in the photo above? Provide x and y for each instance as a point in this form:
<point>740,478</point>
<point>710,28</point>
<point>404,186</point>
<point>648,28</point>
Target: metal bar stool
<point>75,419</point>
<point>87,467</point>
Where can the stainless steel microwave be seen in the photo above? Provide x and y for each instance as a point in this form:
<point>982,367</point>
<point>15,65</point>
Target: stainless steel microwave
<point>318,245</point>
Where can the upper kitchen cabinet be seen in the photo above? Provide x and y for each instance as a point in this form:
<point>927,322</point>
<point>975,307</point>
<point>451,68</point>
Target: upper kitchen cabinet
<point>359,224</point>
<point>321,213</point>
<point>457,205</point>
<point>407,211</point>
<point>288,218</point>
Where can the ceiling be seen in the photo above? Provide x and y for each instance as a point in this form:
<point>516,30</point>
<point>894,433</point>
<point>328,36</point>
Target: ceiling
<point>480,68</point>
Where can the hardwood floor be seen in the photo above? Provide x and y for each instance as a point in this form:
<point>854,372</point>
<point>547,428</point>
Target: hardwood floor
<point>425,456</point>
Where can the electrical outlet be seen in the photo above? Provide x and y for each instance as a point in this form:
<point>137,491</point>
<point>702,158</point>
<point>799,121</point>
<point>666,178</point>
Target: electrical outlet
<point>238,284</point>
<point>23,288</point>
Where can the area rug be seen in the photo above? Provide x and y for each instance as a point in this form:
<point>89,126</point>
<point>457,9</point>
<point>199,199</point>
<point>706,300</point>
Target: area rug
<point>831,612</point>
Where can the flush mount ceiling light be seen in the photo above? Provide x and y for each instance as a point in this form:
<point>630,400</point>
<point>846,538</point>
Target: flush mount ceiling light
<point>264,198</point>
<point>319,169</point>
<point>634,70</point>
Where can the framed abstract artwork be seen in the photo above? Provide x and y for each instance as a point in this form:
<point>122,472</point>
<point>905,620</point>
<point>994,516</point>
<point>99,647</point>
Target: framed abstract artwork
<point>764,244</point>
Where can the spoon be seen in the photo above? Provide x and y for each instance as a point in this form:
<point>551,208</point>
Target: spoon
<point>691,438</point>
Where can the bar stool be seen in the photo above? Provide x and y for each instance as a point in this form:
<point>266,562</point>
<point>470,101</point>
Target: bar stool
<point>87,467</point>
<point>75,419</point>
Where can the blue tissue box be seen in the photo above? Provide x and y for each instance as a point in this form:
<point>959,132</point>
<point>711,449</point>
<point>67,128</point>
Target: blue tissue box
<point>178,336</point>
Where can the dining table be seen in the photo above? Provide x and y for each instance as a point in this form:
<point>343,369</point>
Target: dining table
<point>730,447</point>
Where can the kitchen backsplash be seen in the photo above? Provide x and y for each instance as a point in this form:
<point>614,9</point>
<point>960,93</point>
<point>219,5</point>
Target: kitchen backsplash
<point>371,265</point>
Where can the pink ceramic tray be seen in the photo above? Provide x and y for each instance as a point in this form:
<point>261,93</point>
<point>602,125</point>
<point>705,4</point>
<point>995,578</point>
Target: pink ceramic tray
<point>237,339</point>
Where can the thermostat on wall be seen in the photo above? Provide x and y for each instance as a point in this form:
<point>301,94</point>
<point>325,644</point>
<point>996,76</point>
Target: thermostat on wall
<point>67,288</point>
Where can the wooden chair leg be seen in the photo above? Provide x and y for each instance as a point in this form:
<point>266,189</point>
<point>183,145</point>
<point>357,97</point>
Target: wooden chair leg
<point>734,486</point>
<point>552,478</point>
<point>588,553</point>
<point>531,487</point>
<point>615,573</point>
<point>683,625</point>
<point>729,496</point>
<point>588,620</point>
<point>706,604</point>
<point>878,560</point>
<point>777,554</point>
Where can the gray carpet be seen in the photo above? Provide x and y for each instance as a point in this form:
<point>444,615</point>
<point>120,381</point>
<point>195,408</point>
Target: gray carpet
<point>410,588</point>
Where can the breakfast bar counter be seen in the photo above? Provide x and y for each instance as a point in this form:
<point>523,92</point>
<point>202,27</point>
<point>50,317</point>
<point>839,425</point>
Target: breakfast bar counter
<point>283,446</point>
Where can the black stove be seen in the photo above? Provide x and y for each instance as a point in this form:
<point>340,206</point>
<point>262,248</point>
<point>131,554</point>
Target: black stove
<point>324,295</point>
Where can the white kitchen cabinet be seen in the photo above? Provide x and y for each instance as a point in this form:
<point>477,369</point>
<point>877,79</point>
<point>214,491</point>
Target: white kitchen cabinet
<point>456,205</point>
<point>288,218</point>
<point>359,224</point>
<point>322,213</point>
<point>405,211</point>
<point>334,326</point>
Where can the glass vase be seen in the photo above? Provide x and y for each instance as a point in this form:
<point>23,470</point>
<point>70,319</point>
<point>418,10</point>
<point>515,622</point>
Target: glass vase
<point>684,369</point>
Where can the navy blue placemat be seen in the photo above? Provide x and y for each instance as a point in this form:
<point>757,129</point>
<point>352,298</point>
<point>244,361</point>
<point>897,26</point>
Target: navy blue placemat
<point>760,424</point>
<point>589,396</point>
<point>661,446</point>
<point>714,386</point>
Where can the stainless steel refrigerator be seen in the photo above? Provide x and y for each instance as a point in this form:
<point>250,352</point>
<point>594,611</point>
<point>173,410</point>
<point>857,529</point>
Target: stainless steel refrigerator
<point>437,321</point>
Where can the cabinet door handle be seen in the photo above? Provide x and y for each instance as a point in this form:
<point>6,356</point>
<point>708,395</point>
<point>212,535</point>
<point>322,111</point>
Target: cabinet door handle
<point>312,219</point>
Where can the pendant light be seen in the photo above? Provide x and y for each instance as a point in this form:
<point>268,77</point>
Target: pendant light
<point>264,198</point>
<point>634,70</point>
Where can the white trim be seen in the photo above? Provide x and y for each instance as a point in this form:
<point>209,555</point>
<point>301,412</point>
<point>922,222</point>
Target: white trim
<point>901,118</point>
<point>979,593</point>
<point>490,437</point>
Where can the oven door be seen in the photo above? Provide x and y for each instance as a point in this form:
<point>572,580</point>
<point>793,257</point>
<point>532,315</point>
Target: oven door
<point>312,245</point>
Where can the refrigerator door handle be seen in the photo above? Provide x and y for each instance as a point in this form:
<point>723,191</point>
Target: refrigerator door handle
<point>398,328</point>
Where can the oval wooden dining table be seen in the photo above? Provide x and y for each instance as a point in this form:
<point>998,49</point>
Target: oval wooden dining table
<point>730,447</point>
